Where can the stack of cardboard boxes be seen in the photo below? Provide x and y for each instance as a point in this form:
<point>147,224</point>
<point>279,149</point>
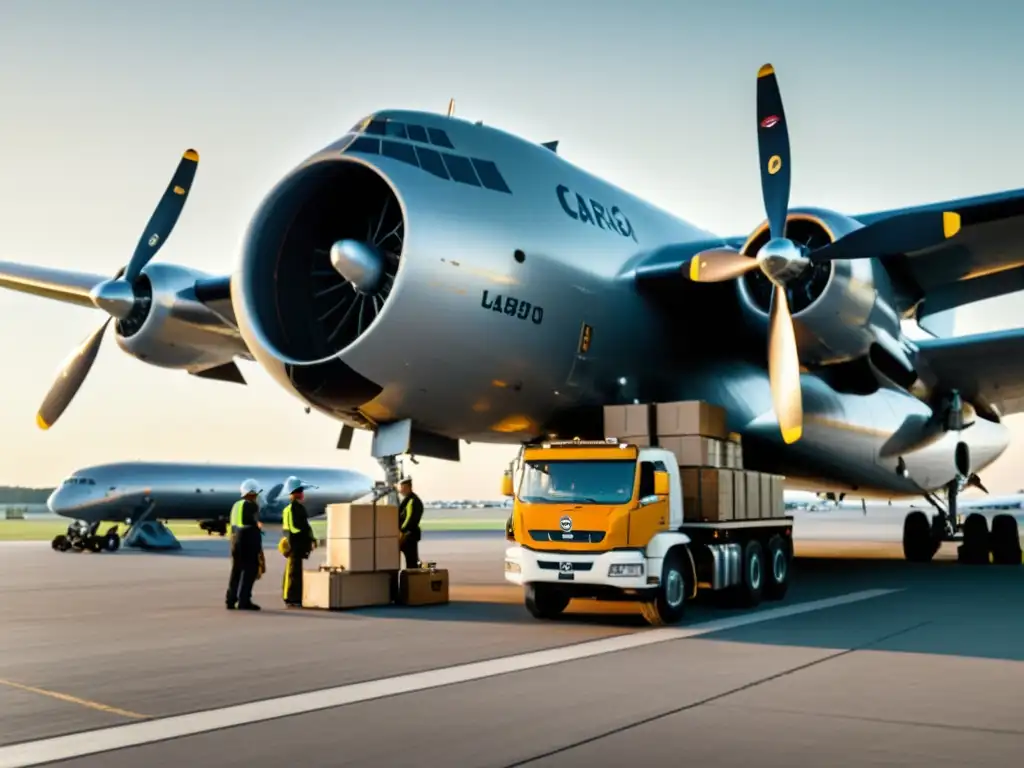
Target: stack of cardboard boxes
<point>716,487</point>
<point>361,561</point>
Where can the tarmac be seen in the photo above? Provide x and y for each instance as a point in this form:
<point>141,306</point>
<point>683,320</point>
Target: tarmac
<point>130,659</point>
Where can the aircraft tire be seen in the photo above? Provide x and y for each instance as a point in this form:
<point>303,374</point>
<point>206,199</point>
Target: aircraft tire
<point>112,542</point>
<point>669,604</point>
<point>545,601</point>
<point>919,546</point>
<point>1005,540</point>
<point>975,547</point>
<point>779,561</point>
<point>60,543</point>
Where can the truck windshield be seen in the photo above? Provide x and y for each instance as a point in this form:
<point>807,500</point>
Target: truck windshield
<point>577,482</point>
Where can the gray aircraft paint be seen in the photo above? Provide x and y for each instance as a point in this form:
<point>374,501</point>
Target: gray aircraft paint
<point>440,353</point>
<point>194,491</point>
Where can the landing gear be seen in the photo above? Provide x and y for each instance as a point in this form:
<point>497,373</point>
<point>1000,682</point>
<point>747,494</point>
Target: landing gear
<point>85,537</point>
<point>919,541</point>
<point>220,527</point>
<point>1005,540</point>
<point>392,474</point>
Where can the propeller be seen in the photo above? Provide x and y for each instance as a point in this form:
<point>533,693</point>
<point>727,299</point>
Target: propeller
<point>118,297</point>
<point>782,260</point>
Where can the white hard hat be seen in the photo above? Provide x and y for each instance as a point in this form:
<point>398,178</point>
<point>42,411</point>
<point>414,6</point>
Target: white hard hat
<point>250,486</point>
<point>406,479</point>
<point>293,484</point>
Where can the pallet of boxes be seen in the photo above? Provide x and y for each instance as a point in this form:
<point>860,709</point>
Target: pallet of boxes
<point>361,561</point>
<point>716,487</point>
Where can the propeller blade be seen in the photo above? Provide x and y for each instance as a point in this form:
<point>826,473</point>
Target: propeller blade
<point>73,372</point>
<point>162,222</point>
<point>784,369</point>
<point>719,264</point>
<point>773,150</point>
<point>898,234</point>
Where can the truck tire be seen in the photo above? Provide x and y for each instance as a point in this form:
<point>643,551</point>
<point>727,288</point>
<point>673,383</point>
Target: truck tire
<point>669,606</point>
<point>751,587</point>
<point>778,561</point>
<point>545,601</point>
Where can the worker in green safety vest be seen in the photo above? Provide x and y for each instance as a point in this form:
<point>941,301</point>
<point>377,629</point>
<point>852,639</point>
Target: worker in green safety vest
<point>246,547</point>
<point>301,541</point>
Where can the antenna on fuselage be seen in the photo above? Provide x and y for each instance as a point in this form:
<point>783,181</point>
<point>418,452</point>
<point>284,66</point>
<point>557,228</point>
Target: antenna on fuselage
<point>451,107</point>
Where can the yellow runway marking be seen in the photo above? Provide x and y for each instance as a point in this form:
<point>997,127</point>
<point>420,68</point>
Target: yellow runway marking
<point>74,700</point>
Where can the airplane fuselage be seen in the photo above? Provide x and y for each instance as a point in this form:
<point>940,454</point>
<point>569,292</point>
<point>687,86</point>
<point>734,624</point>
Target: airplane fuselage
<point>515,305</point>
<point>124,491</point>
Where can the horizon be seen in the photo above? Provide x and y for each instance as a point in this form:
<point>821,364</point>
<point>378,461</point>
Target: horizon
<point>640,96</point>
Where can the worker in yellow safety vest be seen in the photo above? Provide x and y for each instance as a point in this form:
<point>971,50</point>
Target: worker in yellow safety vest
<point>301,540</point>
<point>410,512</point>
<point>246,548</point>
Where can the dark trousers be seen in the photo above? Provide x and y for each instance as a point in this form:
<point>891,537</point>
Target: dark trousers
<point>245,561</point>
<point>411,549</point>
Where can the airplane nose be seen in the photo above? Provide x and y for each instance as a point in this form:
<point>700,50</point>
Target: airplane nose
<point>54,502</point>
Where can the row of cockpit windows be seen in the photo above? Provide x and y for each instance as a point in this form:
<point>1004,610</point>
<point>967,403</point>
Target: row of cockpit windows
<point>444,165</point>
<point>78,481</point>
<point>472,171</point>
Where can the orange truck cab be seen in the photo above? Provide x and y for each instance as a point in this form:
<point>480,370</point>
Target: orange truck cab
<point>605,520</point>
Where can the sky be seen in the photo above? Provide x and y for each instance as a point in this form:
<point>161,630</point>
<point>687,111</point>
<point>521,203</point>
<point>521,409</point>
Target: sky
<point>888,104</point>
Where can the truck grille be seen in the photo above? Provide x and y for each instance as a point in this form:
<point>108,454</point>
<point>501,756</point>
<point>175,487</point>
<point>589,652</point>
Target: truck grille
<point>555,565</point>
<point>574,537</point>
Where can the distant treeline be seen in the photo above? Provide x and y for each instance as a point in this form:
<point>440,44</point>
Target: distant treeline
<point>9,495</point>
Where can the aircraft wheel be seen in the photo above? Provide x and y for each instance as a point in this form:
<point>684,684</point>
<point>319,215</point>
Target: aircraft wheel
<point>545,601</point>
<point>919,546</point>
<point>669,607</point>
<point>112,542</point>
<point>1005,540</point>
<point>95,544</point>
<point>77,544</point>
<point>60,543</point>
<point>778,563</point>
<point>975,547</point>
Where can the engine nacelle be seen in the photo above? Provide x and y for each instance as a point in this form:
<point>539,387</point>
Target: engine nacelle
<point>842,309</point>
<point>169,328</point>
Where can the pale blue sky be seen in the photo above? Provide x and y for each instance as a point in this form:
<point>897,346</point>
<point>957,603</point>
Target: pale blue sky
<point>889,104</point>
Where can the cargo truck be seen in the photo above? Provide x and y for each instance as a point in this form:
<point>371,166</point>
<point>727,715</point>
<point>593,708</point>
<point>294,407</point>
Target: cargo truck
<point>611,520</point>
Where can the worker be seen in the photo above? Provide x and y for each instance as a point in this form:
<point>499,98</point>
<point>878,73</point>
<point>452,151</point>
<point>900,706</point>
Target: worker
<point>301,541</point>
<point>410,512</point>
<point>246,547</point>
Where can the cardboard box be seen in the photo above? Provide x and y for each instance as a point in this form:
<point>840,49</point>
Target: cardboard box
<point>766,495</point>
<point>335,590</point>
<point>422,586</point>
<point>625,421</point>
<point>707,494</point>
<point>739,496</point>
<point>350,521</point>
<point>691,417</point>
<point>351,554</point>
<point>778,506</point>
<point>694,450</point>
<point>753,483</point>
<point>386,554</point>
<point>386,521</point>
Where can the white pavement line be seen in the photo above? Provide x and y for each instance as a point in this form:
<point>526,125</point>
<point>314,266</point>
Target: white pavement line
<point>162,729</point>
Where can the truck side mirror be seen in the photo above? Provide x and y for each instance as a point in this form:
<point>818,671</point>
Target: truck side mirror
<point>661,483</point>
<point>506,484</point>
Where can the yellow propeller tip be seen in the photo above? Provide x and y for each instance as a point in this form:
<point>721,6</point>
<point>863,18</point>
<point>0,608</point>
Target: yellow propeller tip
<point>191,154</point>
<point>766,70</point>
<point>791,435</point>
<point>695,269</point>
<point>41,422</point>
<point>950,224</point>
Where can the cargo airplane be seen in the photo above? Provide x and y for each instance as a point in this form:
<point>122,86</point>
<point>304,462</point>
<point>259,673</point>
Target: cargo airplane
<point>144,495</point>
<point>432,279</point>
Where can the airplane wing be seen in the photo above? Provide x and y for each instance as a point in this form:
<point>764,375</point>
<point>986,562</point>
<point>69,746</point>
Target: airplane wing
<point>984,260</point>
<point>987,368</point>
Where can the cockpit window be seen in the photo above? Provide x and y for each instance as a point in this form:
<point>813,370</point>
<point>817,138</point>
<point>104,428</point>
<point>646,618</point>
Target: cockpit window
<point>577,482</point>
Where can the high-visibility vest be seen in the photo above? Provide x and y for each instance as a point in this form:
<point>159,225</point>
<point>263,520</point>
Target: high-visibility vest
<point>286,520</point>
<point>236,514</point>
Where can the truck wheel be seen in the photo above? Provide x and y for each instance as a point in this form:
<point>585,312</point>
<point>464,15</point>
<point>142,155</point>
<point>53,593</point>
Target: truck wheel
<point>544,601</point>
<point>777,582</point>
<point>669,607</point>
<point>752,579</point>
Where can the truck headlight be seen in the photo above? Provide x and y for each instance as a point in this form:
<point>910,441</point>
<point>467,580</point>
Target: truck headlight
<point>626,569</point>
<point>512,567</point>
